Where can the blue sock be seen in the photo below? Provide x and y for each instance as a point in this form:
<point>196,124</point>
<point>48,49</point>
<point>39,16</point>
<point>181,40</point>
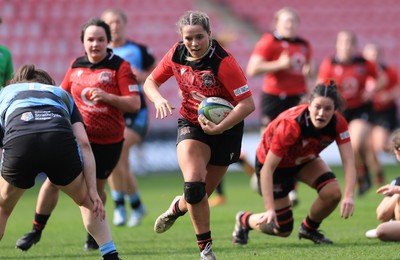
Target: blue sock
<point>117,195</point>
<point>134,198</point>
<point>108,248</point>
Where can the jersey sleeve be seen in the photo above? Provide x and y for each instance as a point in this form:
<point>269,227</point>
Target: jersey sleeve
<point>262,46</point>
<point>66,83</point>
<point>342,130</point>
<point>127,80</point>
<point>164,71</point>
<point>285,135</point>
<point>76,115</point>
<point>232,77</point>
<point>147,56</point>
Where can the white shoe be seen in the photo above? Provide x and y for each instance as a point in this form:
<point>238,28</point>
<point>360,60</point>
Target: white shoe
<point>207,253</point>
<point>119,216</point>
<point>167,219</point>
<point>136,216</point>
<point>293,198</point>
<point>371,233</point>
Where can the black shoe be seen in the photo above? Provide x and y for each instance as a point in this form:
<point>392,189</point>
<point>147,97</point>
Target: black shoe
<point>313,235</point>
<point>113,256</point>
<point>240,235</point>
<point>90,244</point>
<point>28,240</point>
<point>364,184</point>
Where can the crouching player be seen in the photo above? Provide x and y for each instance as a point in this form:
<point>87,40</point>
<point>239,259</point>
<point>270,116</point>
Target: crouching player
<point>289,150</point>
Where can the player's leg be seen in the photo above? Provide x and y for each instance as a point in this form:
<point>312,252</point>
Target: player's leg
<point>9,196</point>
<point>46,203</point>
<point>318,175</point>
<point>97,227</point>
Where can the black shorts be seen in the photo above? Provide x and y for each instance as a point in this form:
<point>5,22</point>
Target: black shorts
<point>362,112</point>
<point>284,179</point>
<point>138,122</point>
<point>272,106</point>
<point>55,153</point>
<point>106,157</point>
<point>386,118</point>
<point>225,148</point>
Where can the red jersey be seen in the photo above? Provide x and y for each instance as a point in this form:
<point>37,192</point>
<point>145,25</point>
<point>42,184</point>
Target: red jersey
<point>350,78</point>
<point>379,103</point>
<point>216,75</point>
<point>291,81</point>
<point>293,137</point>
<point>104,122</point>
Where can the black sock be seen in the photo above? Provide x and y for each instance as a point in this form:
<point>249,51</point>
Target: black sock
<point>177,210</point>
<point>311,224</point>
<point>40,221</point>
<point>119,203</point>
<point>203,240</point>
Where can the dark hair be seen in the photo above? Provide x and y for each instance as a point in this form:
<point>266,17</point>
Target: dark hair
<point>28,73</point>
<point>95,21</point>
<point>328,89</point>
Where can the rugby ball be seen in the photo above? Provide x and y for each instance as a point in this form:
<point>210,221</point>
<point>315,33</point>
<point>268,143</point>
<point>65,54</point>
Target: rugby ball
<point>215,109</point>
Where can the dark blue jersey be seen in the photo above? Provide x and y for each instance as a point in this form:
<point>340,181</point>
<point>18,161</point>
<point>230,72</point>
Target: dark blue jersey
<point>28,108</point>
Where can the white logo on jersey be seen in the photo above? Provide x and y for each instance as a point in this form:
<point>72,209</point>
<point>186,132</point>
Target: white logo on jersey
<point>241,90</point>
<point>85,96</point>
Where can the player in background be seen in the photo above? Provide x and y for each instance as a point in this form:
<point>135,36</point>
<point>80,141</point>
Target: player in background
<point>42,130</point>
<point>350,71</point>
<point>122,182</point>
<point>388,211</point>
<point>202,68</point>
<point>384,108</point>
<point>289,150</point>
<point>6,64</point>
<point>284,59</point>
<point>104,88</point>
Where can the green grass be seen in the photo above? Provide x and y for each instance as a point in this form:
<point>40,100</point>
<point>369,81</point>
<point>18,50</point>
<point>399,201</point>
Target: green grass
<point>64,235</point>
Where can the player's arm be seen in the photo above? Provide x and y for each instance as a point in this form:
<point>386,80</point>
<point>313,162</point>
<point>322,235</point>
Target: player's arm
<point>350,175</point>
<point>89,167</point>
<point>162,105</point>
<point>258,65</point>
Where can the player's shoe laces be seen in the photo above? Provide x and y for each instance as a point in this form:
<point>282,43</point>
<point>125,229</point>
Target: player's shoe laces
<point>136,216</point>
<point>207,253</point>
<point>167,219</point>
<point>240,234</point>
<point>28,240</point>
<point>119,216</point>
<point>313,235</point>
<point>90,244</point>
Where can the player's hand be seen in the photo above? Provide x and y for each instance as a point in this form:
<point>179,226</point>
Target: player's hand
<point>97,94</point>
<point>163,108</point>
<point>347,208</point>
<point>284,60</point>
<point>98,206</point>
<point>208,126</point>
<point>268,217</point>
<point>388,189</point>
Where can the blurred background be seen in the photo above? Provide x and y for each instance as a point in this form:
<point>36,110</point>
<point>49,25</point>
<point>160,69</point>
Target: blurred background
<point>46,33</point>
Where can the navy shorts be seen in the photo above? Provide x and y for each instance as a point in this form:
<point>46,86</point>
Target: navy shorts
<point>284,179</point>
<point>386,118</point>
<point>106,156</point>
<point>362,112</point>
<point>55,153</point>
<point>225,148</point>
<point>138,122</point>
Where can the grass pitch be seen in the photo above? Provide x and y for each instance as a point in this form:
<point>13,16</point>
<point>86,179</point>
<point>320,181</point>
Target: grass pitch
<point>64,236</point>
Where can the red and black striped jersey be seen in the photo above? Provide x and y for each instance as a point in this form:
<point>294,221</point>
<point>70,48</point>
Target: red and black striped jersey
<point>293,137</point>
<point>216,75</point>
<point>104,122</point>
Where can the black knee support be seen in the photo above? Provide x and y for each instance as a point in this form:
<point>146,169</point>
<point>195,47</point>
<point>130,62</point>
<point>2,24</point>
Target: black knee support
<point>194,192</point>
<point>323,180</point>
<point>285,220</point>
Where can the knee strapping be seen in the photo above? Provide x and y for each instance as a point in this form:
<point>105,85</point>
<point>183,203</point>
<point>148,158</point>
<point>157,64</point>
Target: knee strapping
<point>323,180</point>
<point>285,220</point>
<point>194,192</point>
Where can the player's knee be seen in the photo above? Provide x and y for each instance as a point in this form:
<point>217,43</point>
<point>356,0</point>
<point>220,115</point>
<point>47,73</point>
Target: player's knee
<point>328,192</point>
<point>194,192</point>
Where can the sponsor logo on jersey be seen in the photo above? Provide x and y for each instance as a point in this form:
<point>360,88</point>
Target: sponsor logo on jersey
<point>105,77</point>
<point>241,90</point>
<point>344,135</point>
<point>27,116</point>
<point>133,88</point>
